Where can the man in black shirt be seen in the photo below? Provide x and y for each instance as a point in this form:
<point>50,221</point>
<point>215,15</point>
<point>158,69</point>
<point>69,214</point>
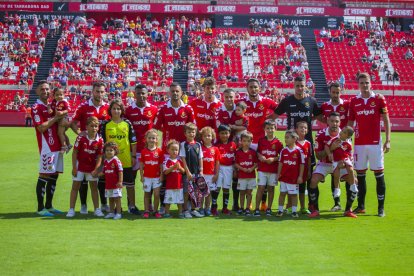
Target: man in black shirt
<point>299,107</point>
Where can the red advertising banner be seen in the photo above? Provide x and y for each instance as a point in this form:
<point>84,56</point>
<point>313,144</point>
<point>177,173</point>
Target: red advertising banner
<point>26,6</point>
<point>203,9</point>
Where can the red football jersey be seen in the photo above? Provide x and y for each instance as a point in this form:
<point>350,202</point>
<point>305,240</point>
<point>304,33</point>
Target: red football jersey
<point>173,180</point>
<point>306,148</point>
<point>142,119</point>
<point>224,116</point>
<point>111,170</point>
<point>291,159</point>
<point>171,122</point>
<point>86,110</point>
<point>239,120</point>
<point>367,115</point>
<point>227,153</point>
<point>210,156</point>
<point>205,113</point>
<point>342,108</point>
<point>269,149</point>
<point>246,160</point>
<point>344,151</point>
<point>152,160</point>
<point>323,137</point>
<point>88,152</point>
<point>47,141</point>
<point>257,113</point>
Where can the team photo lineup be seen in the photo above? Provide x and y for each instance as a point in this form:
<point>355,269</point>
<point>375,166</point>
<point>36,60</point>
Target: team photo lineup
<point>187,154</point>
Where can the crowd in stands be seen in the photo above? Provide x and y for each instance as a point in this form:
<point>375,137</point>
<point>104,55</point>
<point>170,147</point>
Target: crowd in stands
<point>21,47</point>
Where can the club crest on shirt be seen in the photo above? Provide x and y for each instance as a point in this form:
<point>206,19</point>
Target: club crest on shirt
<point>261,107</point>
<point>112,166</point>
<point>273,146</point>
<point>373,104</point>
<point>250,156</point>
<point>212,152</point>
<point>307,105</point>
<point>295,155</point>
<point>104,113</point>
<point>156,155</point>
<point>183,115</point>
<point>149,114</point>
<point>342,109</point>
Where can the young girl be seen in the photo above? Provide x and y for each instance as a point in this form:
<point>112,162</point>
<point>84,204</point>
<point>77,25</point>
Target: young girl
<point>60,104</point>
<point>211,164</point>
<point>113,172</point>
<point>290,172</point>
<point>151,161</point>
<point>86,160</point>
<point>173,169</point>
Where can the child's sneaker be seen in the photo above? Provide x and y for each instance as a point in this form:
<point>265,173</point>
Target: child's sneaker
<point>196,214</point>
<point>256,213</point>
<point>162,210</point>
<point>134,210</point>
<point>207,212</point>
<point>268,212</point>
<point>279,213</point>
<point>84,209</point>
<point>98,213</point>
<point>110,215</point>
<point>214,212</point>
<point>295,215</point>
<point>181,216</point>
<point>248,214</point>
<point>166,215</point>
<point>226,211</point>
<point>71,213</point>
<point>240,212</point>
<point>146,215</point>
<point>118,216</point>
<point>263,206</point>
<point>187,215</point>
<point>305,211</point>
<point>157,215</point>
<point>336,208</point>
<point>105,208</point>
<point>202,212</point>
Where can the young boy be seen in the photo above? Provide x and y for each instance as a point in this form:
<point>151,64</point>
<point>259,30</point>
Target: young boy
<point>173,169</point>
<point>239,122</point>
<point>339,151</point>
<point>86,159</point>
<point>246,164</point>
<point>268,150</point>
<point>211,164</point>
<point>191,154</point>
<point>227,150</point>
<point>60,104</point>
<point>290,172</point>
<point>306,147</point>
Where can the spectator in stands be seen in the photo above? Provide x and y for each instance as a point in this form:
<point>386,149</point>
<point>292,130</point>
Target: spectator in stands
<point>408,54</point>
<point>323,33</point>
<point>341,81</point>
<point>321,45</point>
<point>396,75</point>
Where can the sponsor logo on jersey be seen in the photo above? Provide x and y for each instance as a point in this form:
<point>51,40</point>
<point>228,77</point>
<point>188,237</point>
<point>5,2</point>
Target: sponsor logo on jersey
<point>228,155</point>
<point>176,123</point>
<point>90,151</point>
<point>208,159</point>
<point>204,116</point>
<point>246,163</point>
<point>289,162</point>
<point>151,162</point>
<point>300,114</point>
<point>141,123</point>
<point>366,112</point>
<point>117,136</point>
<point>269,152</point>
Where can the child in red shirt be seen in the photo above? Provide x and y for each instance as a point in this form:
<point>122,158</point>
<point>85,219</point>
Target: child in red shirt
<point>60,104</point>
<point>152,158</point>
<point>173,169</point>
<point>113,172</point>
<point>86,160</point>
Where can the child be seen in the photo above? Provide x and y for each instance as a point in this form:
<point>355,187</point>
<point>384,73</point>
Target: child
<point>173,169</point>
<point>113,172</point>
<point>227,153</point>
<point>290,172</point>
<point>60,104</point>
<point>339,151</point>
<point>268,150</point>
<point>211,164</point>
<point>192,156</point>
<point>151,162</point>
<point>306,147</point>
<point>86,159</point>
<point>239,122</point>
<point>246,164</point>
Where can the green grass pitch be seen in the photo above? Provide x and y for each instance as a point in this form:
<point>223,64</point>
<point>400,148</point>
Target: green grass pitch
<point>86,245</point>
